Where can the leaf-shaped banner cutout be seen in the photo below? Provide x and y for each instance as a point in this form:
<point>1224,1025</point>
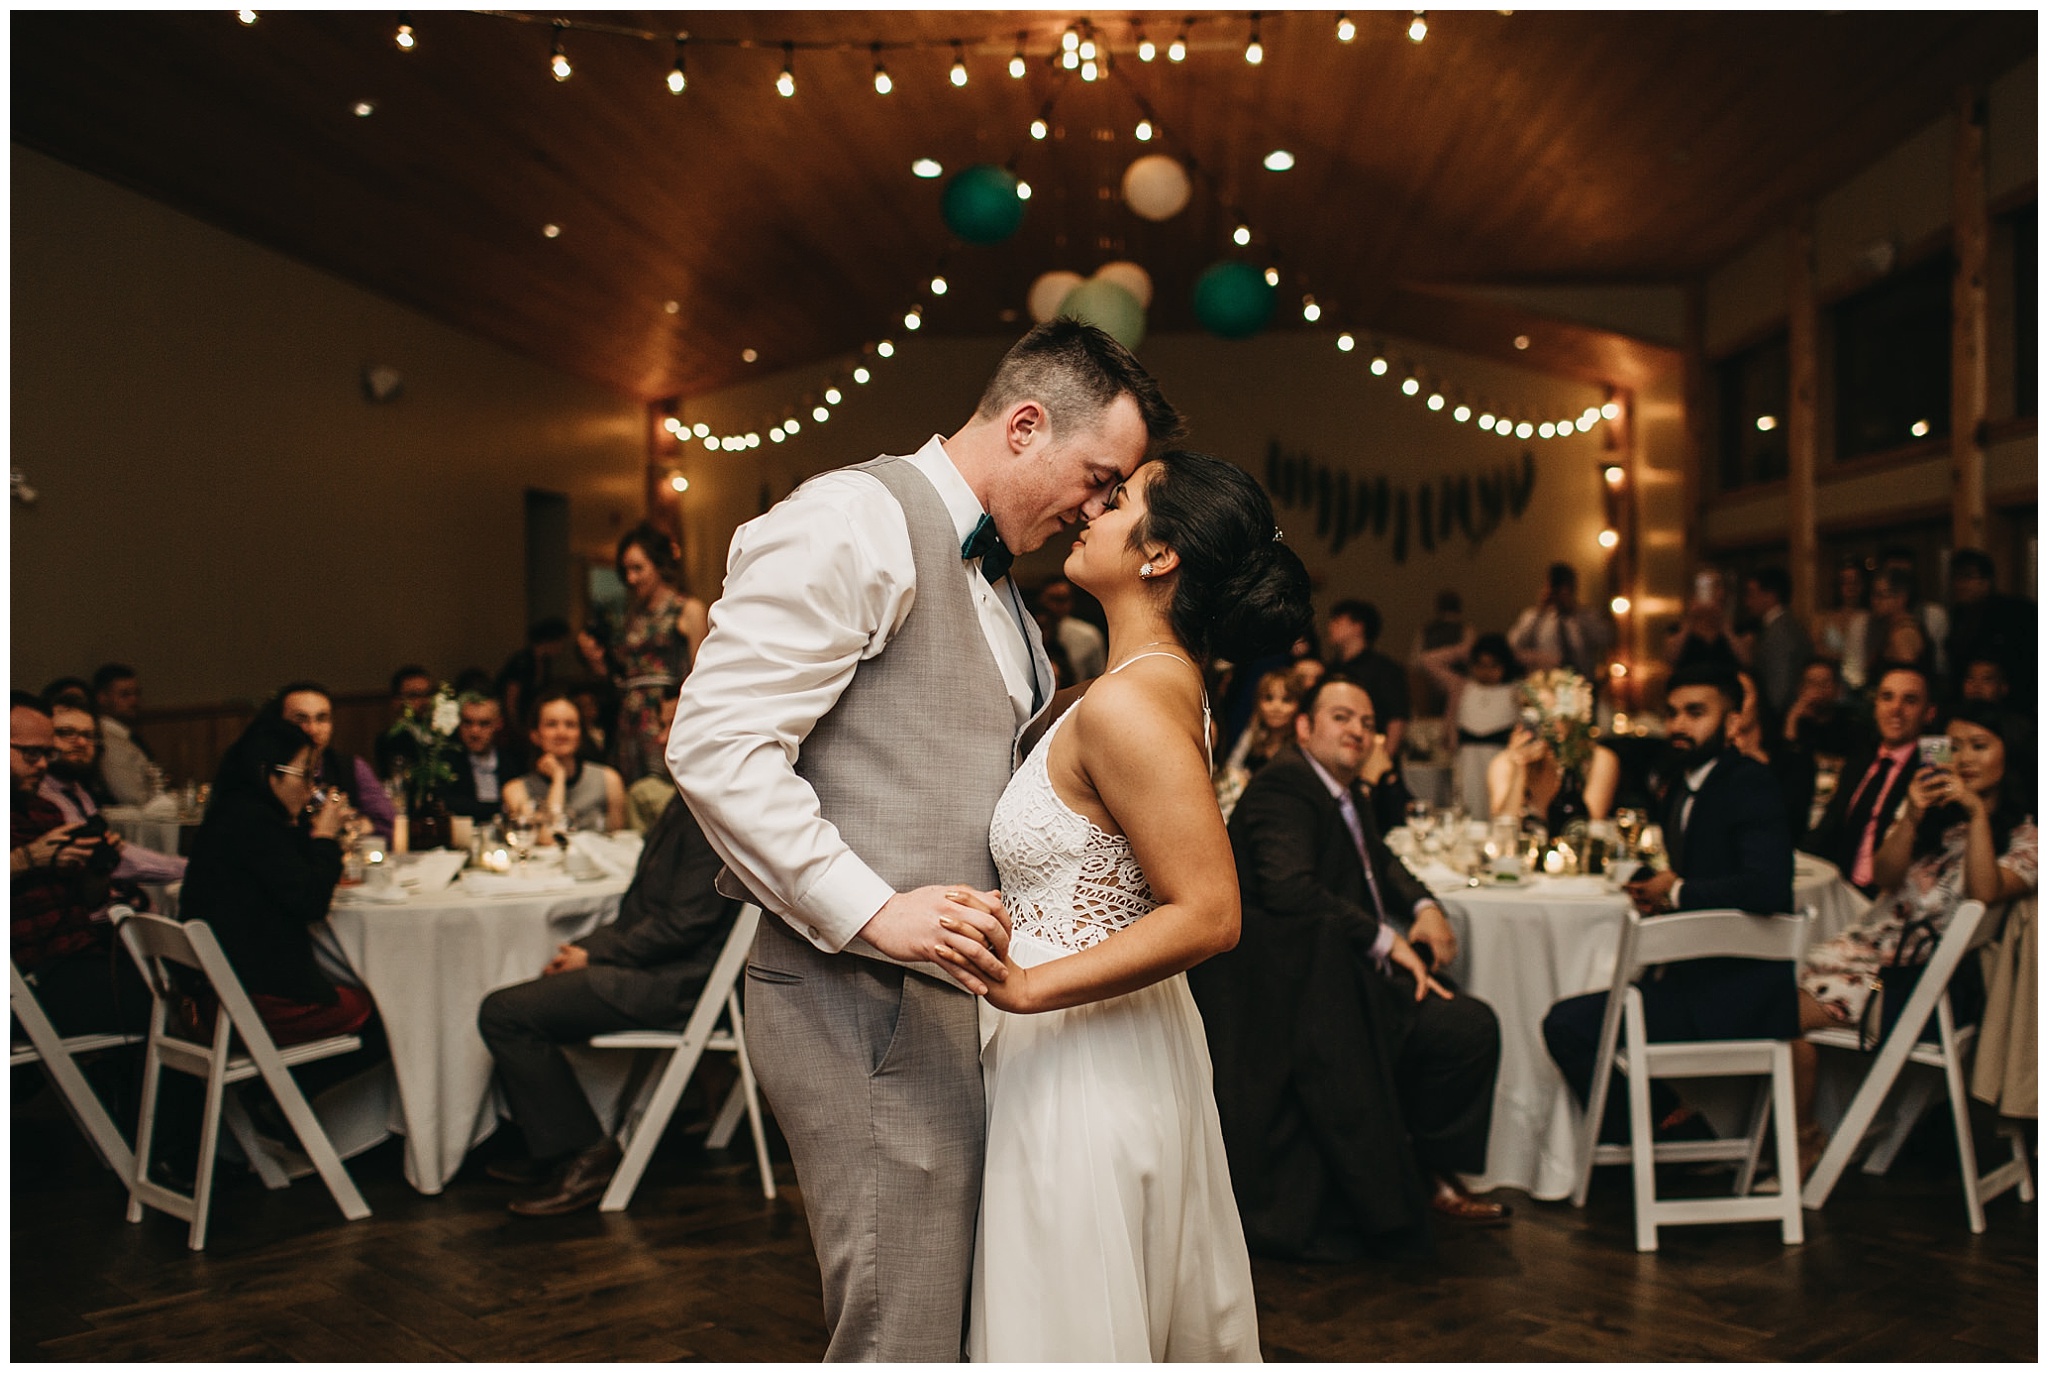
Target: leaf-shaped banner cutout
<point>1340,522</point>
<point>1382,507</point>
<point>1401,525</point>
<point>1322,502</point>
<point>1521,489</point>
<point>1446,509</point>
<point>1463,501</point>
<point>1425,517</point>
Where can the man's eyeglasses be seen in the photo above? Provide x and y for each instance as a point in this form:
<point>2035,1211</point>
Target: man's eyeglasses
<point>307,773</point>
<point>33,753</point>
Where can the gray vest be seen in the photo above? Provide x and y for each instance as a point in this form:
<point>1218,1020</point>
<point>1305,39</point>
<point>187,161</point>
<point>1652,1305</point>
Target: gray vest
<point>910,761</point>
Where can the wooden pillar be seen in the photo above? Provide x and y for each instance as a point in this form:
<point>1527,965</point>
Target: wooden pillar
<point>1699,427</point>
<point>1971,342</point>
<point>1802,419</point>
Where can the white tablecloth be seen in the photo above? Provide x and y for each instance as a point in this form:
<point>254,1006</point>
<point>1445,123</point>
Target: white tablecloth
<point>429,963</point>
<point>1523,948</point>
<point>161,833</point>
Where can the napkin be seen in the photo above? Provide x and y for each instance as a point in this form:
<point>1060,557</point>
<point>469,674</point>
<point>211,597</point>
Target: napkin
<point>164,807</point>
<point>426,873</point>
<point>609,855</point>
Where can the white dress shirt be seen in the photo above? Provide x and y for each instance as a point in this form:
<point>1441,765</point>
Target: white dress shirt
<point>814,588</point>
<point>123,764</point>
<point>1695,778</point>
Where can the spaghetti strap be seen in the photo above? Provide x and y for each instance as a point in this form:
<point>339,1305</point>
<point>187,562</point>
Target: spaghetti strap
<point>1208,749</point>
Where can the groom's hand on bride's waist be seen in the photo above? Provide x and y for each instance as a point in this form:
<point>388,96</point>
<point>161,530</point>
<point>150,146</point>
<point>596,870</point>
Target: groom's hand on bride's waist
<point>913,926</point>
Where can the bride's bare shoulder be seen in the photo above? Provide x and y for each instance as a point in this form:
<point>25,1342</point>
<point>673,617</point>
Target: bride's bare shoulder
<point>1140,708</point>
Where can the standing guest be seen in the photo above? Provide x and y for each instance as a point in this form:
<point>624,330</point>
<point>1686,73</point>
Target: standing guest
<point>651,650</point>
<point>1985,623</point>
<point>1725,832</point>
<point>1794,769</point>
<point>575,793</point>
<point>57,897</point>
<point>1984,681</point>
<point>1782,649</point>
<point>596,703</point>
<point>1558,631</point>
<point>1931,616</point>
<point>1874,781</point>
<point>412,693</point>
<point>1899,628</point>
<point>309,706</point>
<point>68,786</point>
<point>1354,629</point>
<point>549,653</point>
<point>1483,703</point>
<point>1446,629</point>
<point>1843,633</point>
<point>651,796</point>
<point>124,758</point>
<point>642,972</point>
<point>485,765</point>
<point>1085,646</point>
<point>1701,635</point>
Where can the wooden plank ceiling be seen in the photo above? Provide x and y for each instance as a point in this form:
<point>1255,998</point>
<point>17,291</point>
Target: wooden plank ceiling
<point>1521,148</point>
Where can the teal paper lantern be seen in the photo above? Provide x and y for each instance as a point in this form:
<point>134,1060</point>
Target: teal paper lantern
<point>1110,308</point>
<point>1232,299</point>
<point>980,204</point>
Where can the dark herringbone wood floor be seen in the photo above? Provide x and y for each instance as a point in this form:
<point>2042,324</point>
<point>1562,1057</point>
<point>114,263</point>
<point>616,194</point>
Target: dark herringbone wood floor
<point>702,1268</point>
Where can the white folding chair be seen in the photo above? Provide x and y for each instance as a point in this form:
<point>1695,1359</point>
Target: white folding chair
<point>1943,1055</point>
<point>648,1116</point>
<point>57,1054</point>
<point>1662,939</point>
<point>157,945</point>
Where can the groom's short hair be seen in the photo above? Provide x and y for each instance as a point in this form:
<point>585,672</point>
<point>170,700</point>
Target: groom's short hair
<point>1076,371</point>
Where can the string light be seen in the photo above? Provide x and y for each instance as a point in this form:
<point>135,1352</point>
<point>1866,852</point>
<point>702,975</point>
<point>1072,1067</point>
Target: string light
<point>1379,366</point>
<point>1089,71</point>
<point>927,169</point>
<point>1436,400</point>
<point>1070,40</point>
<point>958,76</point>
<point>679,483</point>
<point>861,375</point>
<point>1255,51</point>
<point>1241,235</point>
<point>1410,386</point>
<point>833,396</point>
<point>1546,429</point>
<point>785,84</point>
<point>1088,50</point>
<point>938,286</point>
<point>1609,538</point>
<point>1524,430</point>
<point>1147,49</point>
<point>1611,410</point>
<point>1070,59</point>
<point>1310,311</point>
<point>1418,27</point>
<point>1615,475</point>
<point>883,85</point>
<point>1619,605</point>
<point>1144,131</point>
<point>1462,413</point>
<point>672,424</point>
<point>1177,50</point>
<point>558,61</point>
<point>820,413</point>
<point>404,37</point>
<point>778,436</point>
<point>885,349</point>
<point>914,317</point>
<point>679,79</point>
<point>1017,65</point>
<point>1023,190</point>
<point>1486,420</point>
<point>1346,30</point>
<point>1345,343</point>
<point>1039,129</point>
<point>247,17</point>
<point>1272,276</point>
<point>700,430</point>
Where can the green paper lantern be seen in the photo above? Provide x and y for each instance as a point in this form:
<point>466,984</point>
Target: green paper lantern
<point>1232,299</point>
<point>1110,308</point>
<point>980,204</point>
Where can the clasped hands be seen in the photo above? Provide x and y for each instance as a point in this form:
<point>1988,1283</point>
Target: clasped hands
<point>964,931</point>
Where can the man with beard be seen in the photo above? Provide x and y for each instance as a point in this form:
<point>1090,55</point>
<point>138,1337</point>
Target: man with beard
<point>68,785</point>
<point>1724,828</point>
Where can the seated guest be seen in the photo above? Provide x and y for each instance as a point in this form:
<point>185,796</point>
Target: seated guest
<point>412,692</point>
<point>68,786</point>
<point>1482,702</point>
<point>1701,636</point>
<point>1524,779</point>
<point>644,971</point>
<point>1965,833</point>
<point>596,703</point>
<point>1354,632</point>
<point>1819,722</point>
<point>264,865</point>
<point>1725,832</point>
<point>1270,731</point>
<point>1984,682</point>
<point>1795,771</point>
<point>1346,1072</point>
<point>484,765</point>
<point>58,888</point>
<point>563,784</point>
<point>1873,783</point>
<point>124,758</point>
<point>307,705</point>
<point>1985,623</point>
<point>647,798</point>
<point>1306,672</point>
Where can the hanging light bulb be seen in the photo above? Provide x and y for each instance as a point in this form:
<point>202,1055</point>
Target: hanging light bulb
<point>678,78</point>
<point>938,286</point>
<point>1039,129</point>
<point>558,61</point>
<point>1379,367</point>
<point>700,430</point>
<point>885,349</point>
<point>785,84</point>
<point>1272,276</point>
<point>958,76</point>
<point>1505,427</point>
<point>861,375</point>
<point>1241,235</point>
<point>833,396</point>
<point>679,483</point>
<point>1614,475</point>
<point>1619,605</point>
<point>1436,400</point>
<point>1345,343</point>
<point>1255,51</point>
<point>247,17</point>
<point>672,424</point>
<point>1609,538</point>
<point>1486,420</point>
<point>1070,59</point>
<point>1017,66</point>
<point>1524,429</point>
<point>1409,386</point>
<point>1177,50</point>
<point>883,85</point>
<point>914,317</point>
<point>1147,49</point>
<point>791,424</point>
<point>404,37</point>
<point>1346,30</point>
<point>1462,413</point>
<point>1023,189</point>
<point>1070,40</point>
<point>753,439</point>
<point>1611,410</point>
<point>777,436</point>
<point>1144,131</point>
<point>1087,50</point>
<point>1310,311</point>
<point>1089,71</point>
<point>1418,27</point>
<point>820,413</point>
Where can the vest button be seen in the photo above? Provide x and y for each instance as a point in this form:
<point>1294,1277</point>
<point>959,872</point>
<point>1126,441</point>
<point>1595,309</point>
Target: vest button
<point>812,931</point>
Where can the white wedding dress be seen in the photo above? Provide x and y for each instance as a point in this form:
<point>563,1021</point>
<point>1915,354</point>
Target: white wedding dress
<point>1108,1228</point>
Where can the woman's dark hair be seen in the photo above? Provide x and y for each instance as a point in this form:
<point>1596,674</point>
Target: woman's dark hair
<point>1496,647</point>
<point>2015,799</point>
<point>337,769</point>
<point>269,742</point>
<point>660,549</point>
<point>1240,593</point>
<point>549,697</point>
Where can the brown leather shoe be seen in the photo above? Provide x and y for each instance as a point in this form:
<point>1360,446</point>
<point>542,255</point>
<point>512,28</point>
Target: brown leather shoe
<point>520,1172</point>
<point>581,1183</point>
<point>1453,1202</point>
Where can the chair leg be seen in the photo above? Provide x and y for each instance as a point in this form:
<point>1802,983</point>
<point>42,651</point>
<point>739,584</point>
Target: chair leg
<point>753,1099</point>
<point>1966,1141</point>
<point>1642,1139</point>
<point>209,1146</point>
<point>313,1139</point>
<point>1787,1129</point>
<point>1863,1108</point>
<point>728,1119</point>
<point>1912,1104</point>
<point>1759,1117</point>
<point>145,1127</point>
<point>2019,1159</point>
<point>668,1090</point>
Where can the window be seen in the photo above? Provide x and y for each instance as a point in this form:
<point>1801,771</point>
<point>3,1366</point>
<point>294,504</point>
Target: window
<point>1892,361</point>
<point>2026,317</point>
<point>1751,393</point>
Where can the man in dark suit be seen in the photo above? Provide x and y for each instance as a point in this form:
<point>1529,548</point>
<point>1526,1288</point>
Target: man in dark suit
<point>485,764</point>
<point>1873,780</point>
<point>1782,646</point>
<point>1354,632</point>
<point>1725,830</point>
<point>1342,1061</point>
<point>642,972</point>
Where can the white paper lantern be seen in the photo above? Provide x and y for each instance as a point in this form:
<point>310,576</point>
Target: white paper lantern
<point>1131,277</point>
<point>1048,291</point>
<point>1156,187</point>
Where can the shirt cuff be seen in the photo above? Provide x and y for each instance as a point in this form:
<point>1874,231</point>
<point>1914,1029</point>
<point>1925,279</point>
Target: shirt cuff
<point>1673,895</point>
<point>831,913</point>
<point>1383,944</point>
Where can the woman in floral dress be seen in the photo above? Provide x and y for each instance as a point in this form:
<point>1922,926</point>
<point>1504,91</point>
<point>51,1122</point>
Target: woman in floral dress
<point>652,649</point>
<point>1966,833</point>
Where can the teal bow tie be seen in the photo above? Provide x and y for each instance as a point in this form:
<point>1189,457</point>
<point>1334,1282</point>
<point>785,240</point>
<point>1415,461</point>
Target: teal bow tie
<point>984,543</point>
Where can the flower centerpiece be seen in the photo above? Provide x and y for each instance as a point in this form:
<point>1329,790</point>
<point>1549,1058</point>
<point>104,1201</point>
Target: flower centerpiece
<point>1562,701</point>
<point>425,741</point>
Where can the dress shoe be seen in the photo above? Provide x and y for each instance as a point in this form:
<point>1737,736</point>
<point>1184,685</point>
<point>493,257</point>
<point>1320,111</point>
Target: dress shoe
<point>520,1172</point>
<point>581,1183</point>
<point>1453,1202</point>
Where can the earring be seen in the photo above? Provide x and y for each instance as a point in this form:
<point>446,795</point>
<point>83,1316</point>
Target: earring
<point>1145,571</point>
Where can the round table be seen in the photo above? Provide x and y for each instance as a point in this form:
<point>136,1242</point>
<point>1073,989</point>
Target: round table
<point>1525,947</point>
<point>163,833</point>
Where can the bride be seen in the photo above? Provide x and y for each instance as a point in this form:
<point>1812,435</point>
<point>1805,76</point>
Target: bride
<point>1108,1230</point>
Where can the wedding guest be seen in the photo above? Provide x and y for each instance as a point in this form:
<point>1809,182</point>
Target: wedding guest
<point>1965,832</point>
<point>412,694</point>
<point>310,706</point>
<point>596,703</point>
<point>1271,731</point>
<point>585,795</point>
<point>648,798</point>
<point>1701,636</point>
<point>1527,778</point>
<point>1819,721</point>
<point>1984,682</point>
<point>472,681</point>
<point>1874,780</point>
<point>124,758</point>
<point>1842,633</point>
<point>1354,629</point>
<point>1781,649</point>
<point>1987,624</point>
<point>643,971</point>
<point>1794,770</point>
<point>1899,633</point>
<point>549,657</point>
<point>1482,703</point>
<point>68,786</point>
<point>1446,629</point>
<point>1306,672</point>
<point>1558,631</point>
<point>1931,616</point>
<point>484,765</point>
<point>651,649</point>
<point>1086,649</point>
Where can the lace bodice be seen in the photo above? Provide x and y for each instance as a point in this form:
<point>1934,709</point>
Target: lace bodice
<point>1066,881</point>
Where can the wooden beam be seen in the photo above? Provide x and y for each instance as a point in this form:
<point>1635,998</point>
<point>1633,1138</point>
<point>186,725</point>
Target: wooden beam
<point>1969,369</point>
<point>1802,422</point>
<point>1488,329</point>
<point>1698,423</point>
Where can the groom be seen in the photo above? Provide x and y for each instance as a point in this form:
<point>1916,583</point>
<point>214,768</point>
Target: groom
<point>850,721</point>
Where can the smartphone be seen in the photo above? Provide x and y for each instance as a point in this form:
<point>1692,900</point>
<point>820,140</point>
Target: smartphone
<point>94,827</point>
<point>1936,751</point>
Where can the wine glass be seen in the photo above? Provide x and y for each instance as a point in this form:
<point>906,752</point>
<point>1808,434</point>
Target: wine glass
<point>1650,847</point>
<point>1628,823</point>
<point>1421,820</point>
<point>519,840</point>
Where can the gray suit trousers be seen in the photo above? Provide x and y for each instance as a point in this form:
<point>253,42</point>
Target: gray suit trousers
<point>874,1074</point>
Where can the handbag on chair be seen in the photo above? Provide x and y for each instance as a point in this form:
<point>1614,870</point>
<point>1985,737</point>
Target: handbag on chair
<point>1901,978</point>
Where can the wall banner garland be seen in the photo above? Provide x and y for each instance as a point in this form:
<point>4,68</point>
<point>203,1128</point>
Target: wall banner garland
<point>1348,506</point>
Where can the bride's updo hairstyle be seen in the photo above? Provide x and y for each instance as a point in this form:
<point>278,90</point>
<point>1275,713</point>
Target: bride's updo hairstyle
<point>1240,593</point>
